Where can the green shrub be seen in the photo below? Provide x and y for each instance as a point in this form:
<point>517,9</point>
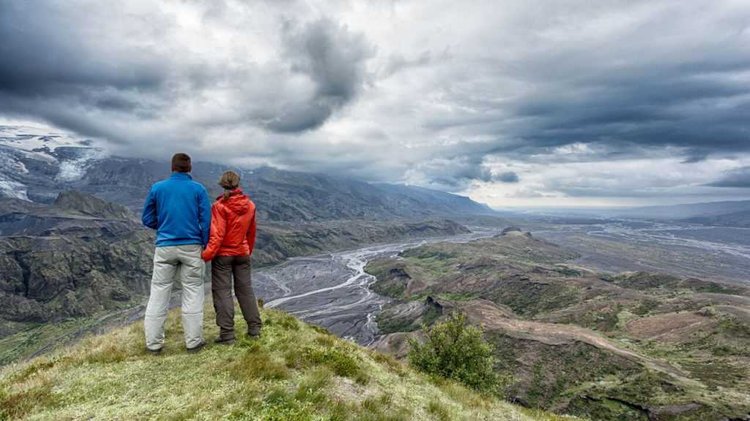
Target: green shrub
<point>456,351</point>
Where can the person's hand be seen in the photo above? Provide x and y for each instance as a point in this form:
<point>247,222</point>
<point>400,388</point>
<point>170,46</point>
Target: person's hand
<point>205,257</point>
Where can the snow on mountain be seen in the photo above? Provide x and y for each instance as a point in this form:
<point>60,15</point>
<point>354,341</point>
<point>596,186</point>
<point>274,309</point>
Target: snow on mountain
<point>34,156</point>
<point>39,139</point>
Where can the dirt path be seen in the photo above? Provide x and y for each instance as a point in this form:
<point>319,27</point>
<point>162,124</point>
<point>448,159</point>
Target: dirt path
<point>491,318</point>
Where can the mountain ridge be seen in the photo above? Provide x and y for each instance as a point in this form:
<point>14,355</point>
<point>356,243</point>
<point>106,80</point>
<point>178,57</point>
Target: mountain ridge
<point>38,166</point>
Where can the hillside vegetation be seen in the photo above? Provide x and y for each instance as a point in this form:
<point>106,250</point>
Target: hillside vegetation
<point>606,346</point>
<point>294,372</point>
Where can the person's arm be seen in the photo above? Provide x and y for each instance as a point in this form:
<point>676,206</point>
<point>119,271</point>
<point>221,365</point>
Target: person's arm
<point>218,230</point>
<point>204,215</point>
<point>251,233</point>
<point>149,217</point>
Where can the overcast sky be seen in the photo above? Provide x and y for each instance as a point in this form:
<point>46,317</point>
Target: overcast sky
<point>514,103</point>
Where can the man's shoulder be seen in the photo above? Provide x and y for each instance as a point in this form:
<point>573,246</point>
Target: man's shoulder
<point>159,184</point>
<point>197,186</point>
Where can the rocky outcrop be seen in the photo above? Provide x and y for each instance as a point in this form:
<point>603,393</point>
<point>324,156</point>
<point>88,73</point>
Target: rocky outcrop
<point>514,231</point>
<point>79,203</point>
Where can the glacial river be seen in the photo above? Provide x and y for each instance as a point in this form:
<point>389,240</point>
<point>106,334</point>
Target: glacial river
<point>332,291</point>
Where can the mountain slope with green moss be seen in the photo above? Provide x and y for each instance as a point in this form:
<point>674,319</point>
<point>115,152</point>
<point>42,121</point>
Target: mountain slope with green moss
<point>294,372</point>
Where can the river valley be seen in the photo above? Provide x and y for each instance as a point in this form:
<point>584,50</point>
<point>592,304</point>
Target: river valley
<point>332,291</point>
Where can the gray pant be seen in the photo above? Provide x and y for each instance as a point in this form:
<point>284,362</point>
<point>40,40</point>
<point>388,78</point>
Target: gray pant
<point>187,263</point>
<point>223,269</point>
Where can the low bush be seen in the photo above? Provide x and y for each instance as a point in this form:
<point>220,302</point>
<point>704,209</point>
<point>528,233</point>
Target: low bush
<point>457,351</point>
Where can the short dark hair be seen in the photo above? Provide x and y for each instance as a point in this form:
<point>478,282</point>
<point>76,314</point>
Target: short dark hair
<point>181,163</point>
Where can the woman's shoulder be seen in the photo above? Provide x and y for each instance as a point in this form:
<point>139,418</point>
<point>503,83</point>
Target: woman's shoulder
<point>219,203</point>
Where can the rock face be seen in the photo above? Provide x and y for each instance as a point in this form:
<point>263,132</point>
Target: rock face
<point>73,258</point>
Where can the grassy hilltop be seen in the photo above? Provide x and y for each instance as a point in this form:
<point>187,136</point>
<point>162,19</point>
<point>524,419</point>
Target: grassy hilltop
<point>295,372</point>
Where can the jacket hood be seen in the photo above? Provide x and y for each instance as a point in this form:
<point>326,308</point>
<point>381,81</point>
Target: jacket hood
<point>238,203</point>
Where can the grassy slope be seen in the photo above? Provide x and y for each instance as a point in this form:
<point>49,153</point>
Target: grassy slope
<point>295,372</point>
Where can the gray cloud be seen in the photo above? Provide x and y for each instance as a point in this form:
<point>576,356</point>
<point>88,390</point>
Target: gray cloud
<point>739,177</point>
<point>78,69</point>
<point>45,53</point>
<point>392,93</point>
<point>333,58</point>
<point>508,177</point>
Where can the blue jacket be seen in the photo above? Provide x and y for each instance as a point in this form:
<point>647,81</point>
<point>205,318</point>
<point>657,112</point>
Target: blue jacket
<point>179,210</point>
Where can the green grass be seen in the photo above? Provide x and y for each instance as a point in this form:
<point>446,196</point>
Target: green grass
<point>26,342</point>
<point>294,372</point>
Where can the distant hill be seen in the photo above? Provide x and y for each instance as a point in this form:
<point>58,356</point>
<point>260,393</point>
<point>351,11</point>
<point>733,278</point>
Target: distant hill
<point>727,213</point>
<point>294,372</point>
<point>732,213</point>
<point>689,210</point>
<point>735,219</point>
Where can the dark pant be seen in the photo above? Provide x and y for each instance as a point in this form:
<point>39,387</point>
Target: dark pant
<point>222,269</point>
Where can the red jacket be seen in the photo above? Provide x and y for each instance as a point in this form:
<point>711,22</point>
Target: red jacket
<point>232,226</point>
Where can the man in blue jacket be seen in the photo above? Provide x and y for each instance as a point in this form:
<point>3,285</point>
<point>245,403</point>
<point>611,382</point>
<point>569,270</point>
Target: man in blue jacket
<point>179,210</point>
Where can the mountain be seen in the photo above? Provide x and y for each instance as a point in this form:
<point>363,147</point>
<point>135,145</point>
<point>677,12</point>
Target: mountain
<point>75,257</point>
<point>36,166</point>
<point>294,372</point>
<point>286,196</point>
<point>635,345</point>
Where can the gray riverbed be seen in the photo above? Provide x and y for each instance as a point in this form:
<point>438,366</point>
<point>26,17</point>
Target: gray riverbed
<point>332,290</point>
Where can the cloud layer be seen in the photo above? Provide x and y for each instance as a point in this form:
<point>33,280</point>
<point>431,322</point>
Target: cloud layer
<point>519,103</point>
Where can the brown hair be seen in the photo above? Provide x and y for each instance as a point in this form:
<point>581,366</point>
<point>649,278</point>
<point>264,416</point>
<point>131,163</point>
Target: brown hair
<point>181,162</point>
<point>230,180</point>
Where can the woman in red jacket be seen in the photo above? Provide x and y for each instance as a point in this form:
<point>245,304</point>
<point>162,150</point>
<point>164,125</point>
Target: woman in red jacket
<point>229,248</point>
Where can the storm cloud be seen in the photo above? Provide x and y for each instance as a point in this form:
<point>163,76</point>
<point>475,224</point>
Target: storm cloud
<point>523,102</point>
<point>739,177</point>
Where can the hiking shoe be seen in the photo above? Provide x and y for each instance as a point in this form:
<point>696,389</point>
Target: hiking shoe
<point>197,347</point>
<point>154,351</point>
<point>222,341</point>
<point>253,335</point>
